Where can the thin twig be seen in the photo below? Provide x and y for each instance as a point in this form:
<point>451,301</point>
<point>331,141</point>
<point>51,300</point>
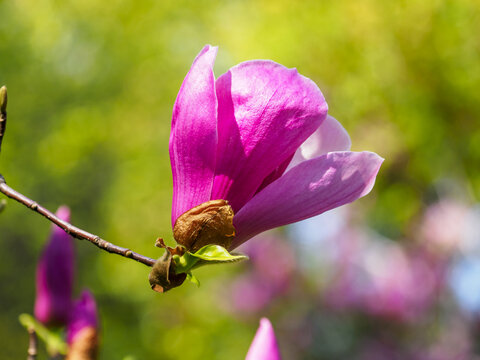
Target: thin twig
<point>32,344</point>
<point>70,229</point>
<point>3,112</point>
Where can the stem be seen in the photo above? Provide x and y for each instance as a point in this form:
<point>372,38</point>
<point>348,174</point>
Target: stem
<point>70,229</point>
<point>3,112</point>
<point>32,344</point>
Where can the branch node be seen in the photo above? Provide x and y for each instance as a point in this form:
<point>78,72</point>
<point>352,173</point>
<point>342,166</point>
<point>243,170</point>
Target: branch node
<point>129,253</point>
<point>34,206</point>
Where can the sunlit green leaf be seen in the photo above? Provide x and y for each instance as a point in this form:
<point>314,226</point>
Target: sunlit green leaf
<point>217,254</point>
<point>210,254</point>
<point>52,339</point>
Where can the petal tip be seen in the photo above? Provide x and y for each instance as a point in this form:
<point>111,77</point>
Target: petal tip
<point>264,322</point>
<point>376,158</point>
<point>63,213</point>
<point>376,163</point>
<point>209,51</point>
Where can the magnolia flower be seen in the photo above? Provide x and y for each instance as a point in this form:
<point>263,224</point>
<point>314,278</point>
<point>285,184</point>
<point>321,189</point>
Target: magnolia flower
<point>264,345</point>
<point>82,329</point>
<point>233,138</point>
<point>54,278</point>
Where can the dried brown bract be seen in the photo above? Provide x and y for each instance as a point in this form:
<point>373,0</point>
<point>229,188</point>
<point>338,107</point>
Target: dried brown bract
<point>85,345</point>
<point>210,223</point>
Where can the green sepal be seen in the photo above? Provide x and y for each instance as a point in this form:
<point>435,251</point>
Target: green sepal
<point>52,339</point>
<point>209,254</point>
<point>193,279</point>
<point>184,263</point>
<point>218,254</point>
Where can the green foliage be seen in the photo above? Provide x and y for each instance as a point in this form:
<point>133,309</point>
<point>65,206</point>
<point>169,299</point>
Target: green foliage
<point>52,339</point>
<point>207,255</point>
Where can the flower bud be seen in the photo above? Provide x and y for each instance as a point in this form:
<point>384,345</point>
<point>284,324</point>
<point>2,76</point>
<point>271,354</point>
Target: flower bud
<point>82,329</point>
<point>264,345</point>
<point>54,278</point>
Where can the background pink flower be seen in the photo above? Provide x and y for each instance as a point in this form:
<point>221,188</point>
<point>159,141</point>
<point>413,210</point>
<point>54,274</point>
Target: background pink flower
<point>55,271</point>
<point>264,345</point>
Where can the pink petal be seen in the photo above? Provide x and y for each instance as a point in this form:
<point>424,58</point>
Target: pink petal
<point>265,111</point>
<point>310,188</point>
<point>275,174</point>
<point>330,136</point>
<point>193,137</point>
<point>264,345</point>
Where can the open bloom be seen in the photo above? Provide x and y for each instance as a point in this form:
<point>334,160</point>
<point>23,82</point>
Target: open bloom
<point>233,138</point>
<point>264,345</point>
<point>54,278</point>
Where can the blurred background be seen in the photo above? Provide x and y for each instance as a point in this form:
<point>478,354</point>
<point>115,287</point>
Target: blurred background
<point>394,276</point>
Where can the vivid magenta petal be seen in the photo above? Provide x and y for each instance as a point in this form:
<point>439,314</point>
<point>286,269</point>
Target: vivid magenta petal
<point>193,137</point>
<point>54,278</point>
<point>330,136</point>
<point>265,112</point>
<point>83,316</point>
<point>264,345</point>
<point>275,174</point>
<point>310,188</point>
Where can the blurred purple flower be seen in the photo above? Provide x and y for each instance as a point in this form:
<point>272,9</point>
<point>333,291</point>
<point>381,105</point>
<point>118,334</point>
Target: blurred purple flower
<point>234,137</point>
<point>82,316</point>
<point>272,267</point>
<point>452,341</point>
<point>382,278</point>
<point>54,279</point>
<point>376,350</point>
<point>82,328</point>
<point>264,345</point>
<point>443,226</point>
